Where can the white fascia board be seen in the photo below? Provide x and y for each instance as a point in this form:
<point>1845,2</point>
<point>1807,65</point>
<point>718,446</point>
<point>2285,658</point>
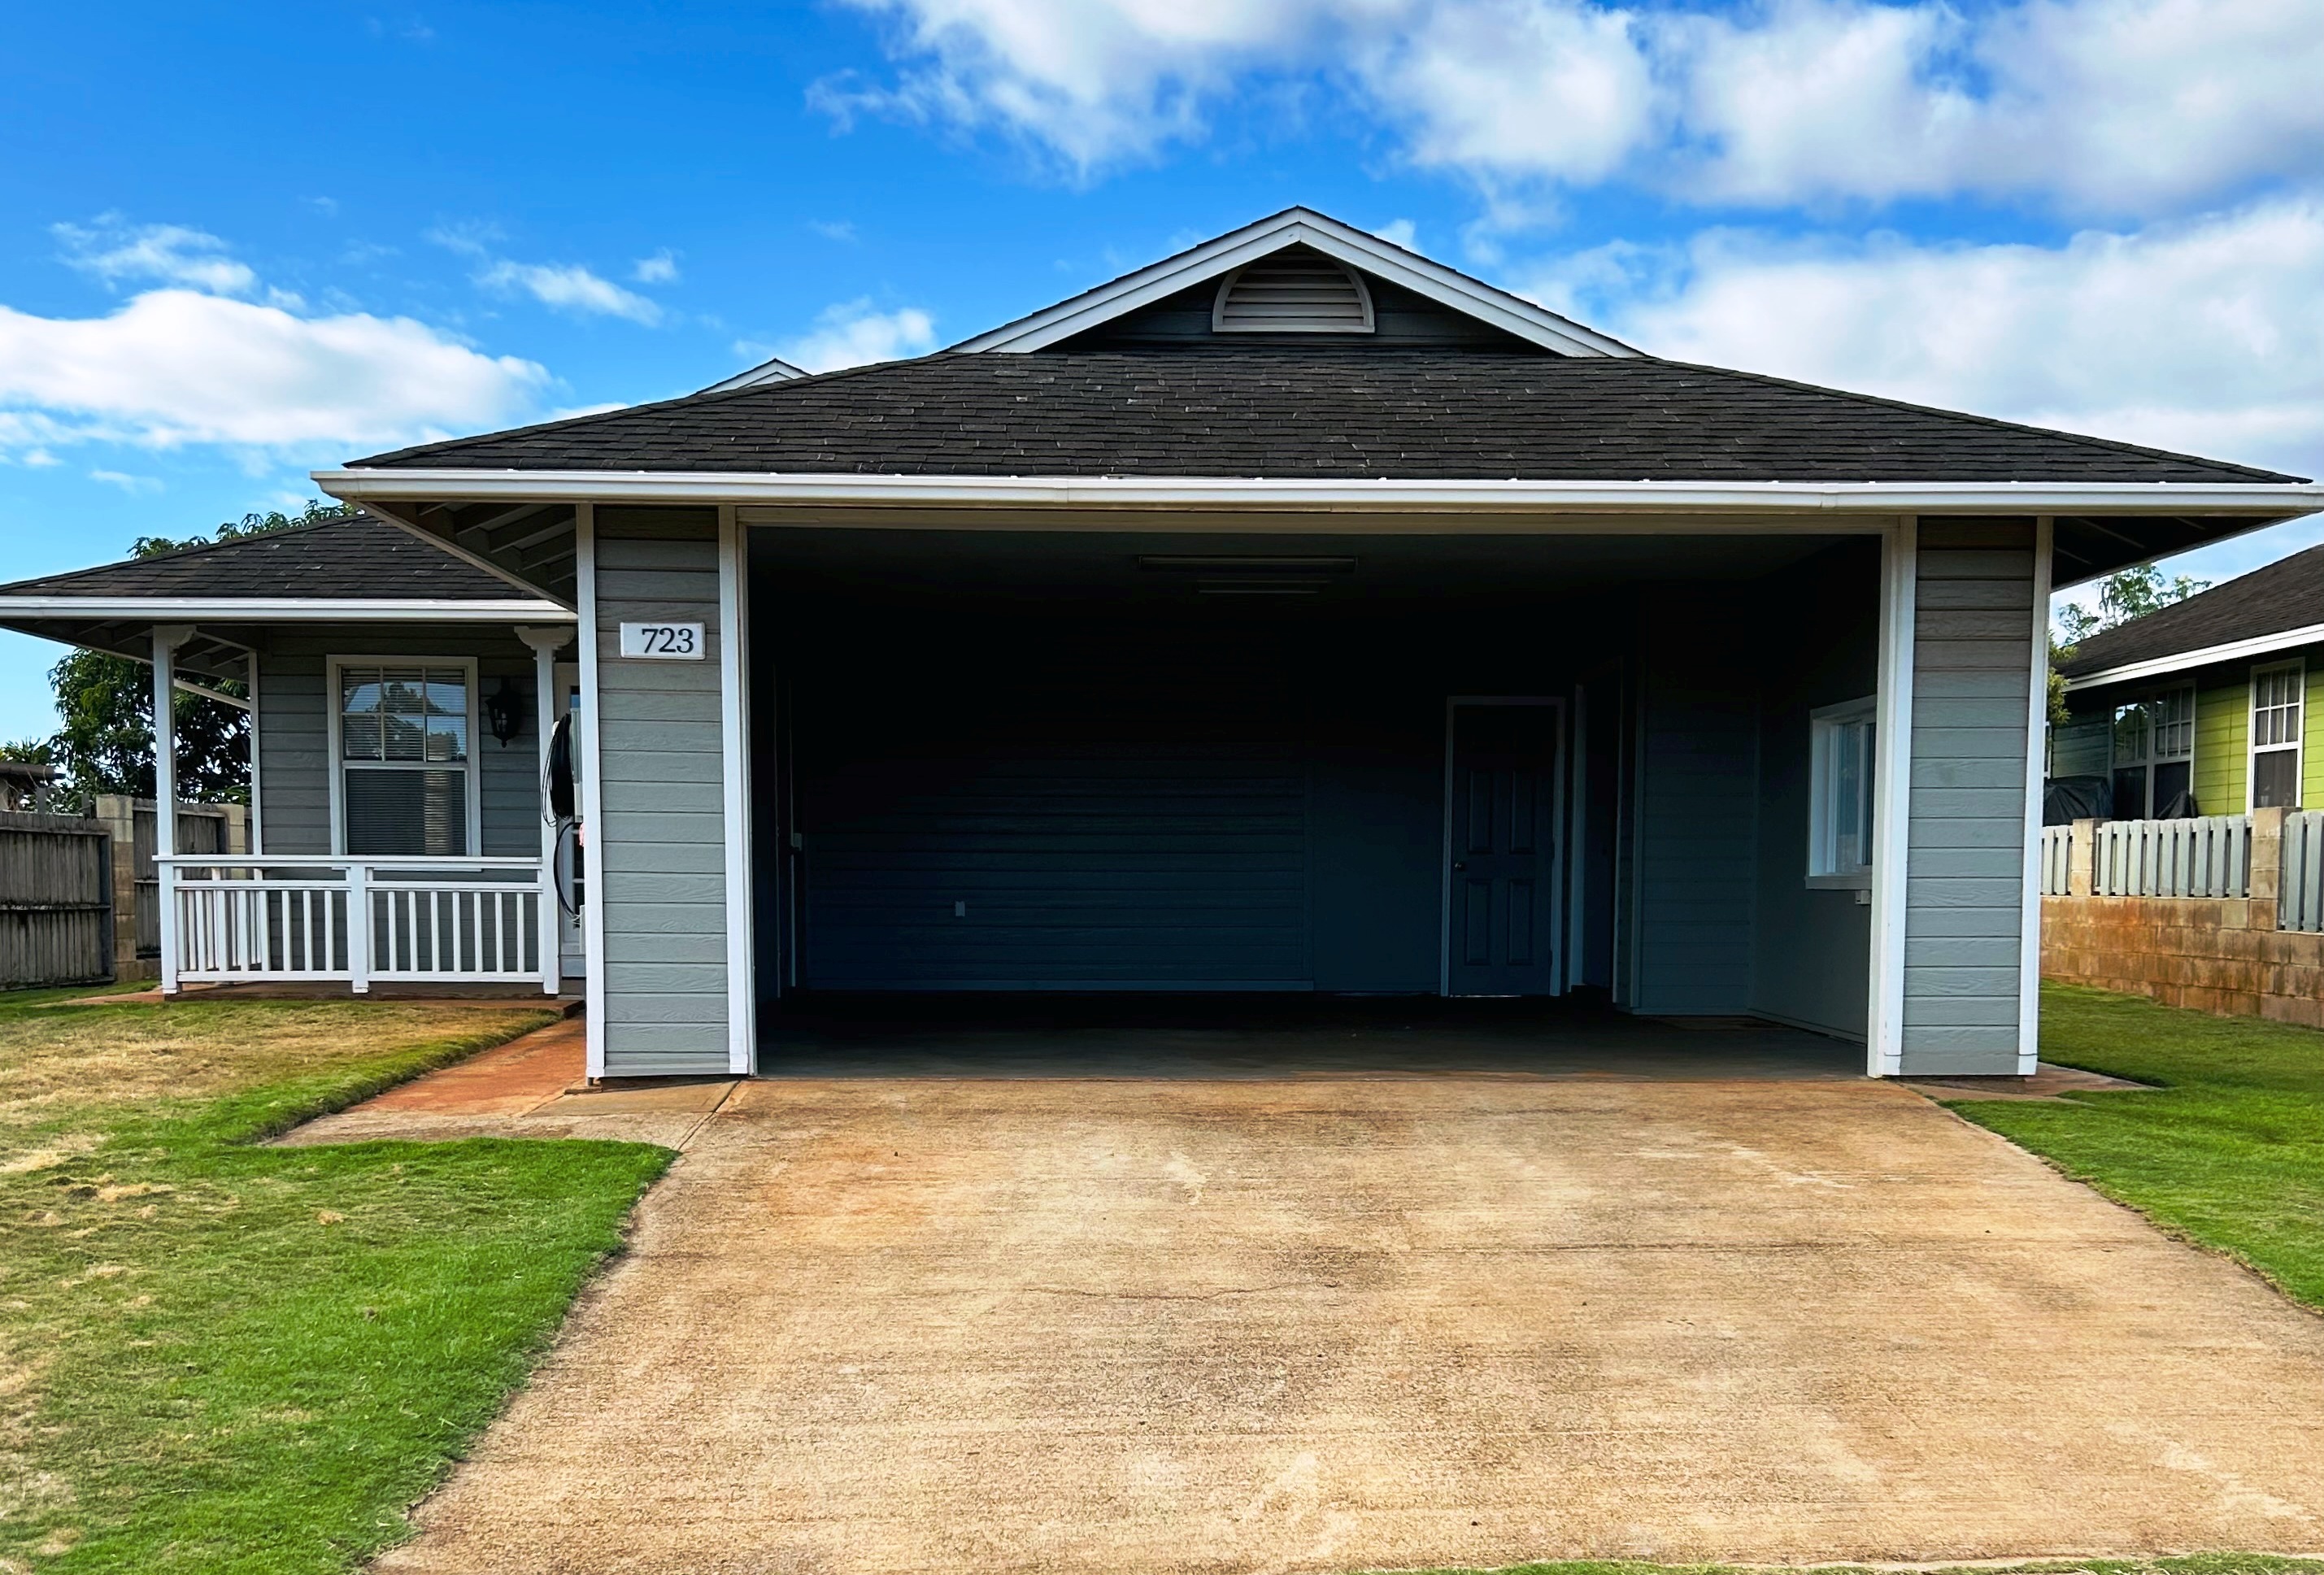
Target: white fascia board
<point>2202,656</point>
<point>2268,502</point>
<point>282,609</point>
<point>1299,226</point>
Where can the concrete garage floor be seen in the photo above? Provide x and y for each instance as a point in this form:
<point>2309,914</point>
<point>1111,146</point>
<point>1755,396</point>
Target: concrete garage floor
<point>1321,1323</point>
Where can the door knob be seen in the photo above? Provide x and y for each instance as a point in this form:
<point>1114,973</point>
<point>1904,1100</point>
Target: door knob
<point>1459,866</point>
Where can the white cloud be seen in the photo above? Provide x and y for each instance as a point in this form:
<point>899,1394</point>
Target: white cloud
<point>119,252</point>
<point>1092,80</point>
<point>178,366</point>
<point>131,484</point>
<point>833,229</point>
<point>1400,233</point>
<point>570,287</point>
<point>662,268</point>
<point>2203,336</point>
<point>852,334</point>
<point>2102,105</point>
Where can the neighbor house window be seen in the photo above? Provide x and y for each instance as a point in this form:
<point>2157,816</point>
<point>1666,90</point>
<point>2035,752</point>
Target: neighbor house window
<point>405,779</point>
<point>2154,757</point>
<point>2276,695</point>
<point>1839,809</point>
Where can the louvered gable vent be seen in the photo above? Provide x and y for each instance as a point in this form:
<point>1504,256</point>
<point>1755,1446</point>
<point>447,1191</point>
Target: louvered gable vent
<point>1294,291</point>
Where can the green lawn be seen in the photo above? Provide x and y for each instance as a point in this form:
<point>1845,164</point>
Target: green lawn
<point>2230,1153</point>
<point>216,1356</point>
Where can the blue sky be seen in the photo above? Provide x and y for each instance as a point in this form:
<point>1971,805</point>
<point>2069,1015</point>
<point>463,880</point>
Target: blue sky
<point>239,242</point>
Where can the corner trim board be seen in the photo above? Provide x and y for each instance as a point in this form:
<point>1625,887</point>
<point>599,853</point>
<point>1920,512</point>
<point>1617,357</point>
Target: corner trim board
<point>1892,797</point>
<point>734,736</point>
<point>592,842</point>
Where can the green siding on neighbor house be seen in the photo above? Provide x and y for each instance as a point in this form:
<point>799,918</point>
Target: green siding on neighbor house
<point>2222,729</point>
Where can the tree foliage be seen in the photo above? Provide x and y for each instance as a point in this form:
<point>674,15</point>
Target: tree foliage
<point>105,703</point>
<point>2132,593</point>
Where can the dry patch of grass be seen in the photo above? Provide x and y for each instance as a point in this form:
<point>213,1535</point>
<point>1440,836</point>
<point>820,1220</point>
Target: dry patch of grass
<point>214,1355</point>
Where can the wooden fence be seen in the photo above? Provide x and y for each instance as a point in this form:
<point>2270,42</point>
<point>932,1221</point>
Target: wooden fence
<point>2207,856</point>
<point>202,828</point>
<point>56,900</point>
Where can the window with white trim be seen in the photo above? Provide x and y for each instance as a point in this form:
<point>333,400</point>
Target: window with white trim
<point>2277,694</point>
<point>403,737</point>
<point>1841,788</point>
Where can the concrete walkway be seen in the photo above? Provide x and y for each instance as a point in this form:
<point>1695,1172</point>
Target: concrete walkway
<point>1125,1326</point>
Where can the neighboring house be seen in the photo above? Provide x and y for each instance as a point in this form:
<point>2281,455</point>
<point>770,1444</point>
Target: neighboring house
<point>1296,613</point>
<point>2202,707</point>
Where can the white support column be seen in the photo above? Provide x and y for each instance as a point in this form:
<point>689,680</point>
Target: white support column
<point>257,822</point>
<point>593,849</point>
<point>546,643</point>
<point>1892,797</point>
<point>167,639</point>
<point>734,737</point>
<point>2037,723</point>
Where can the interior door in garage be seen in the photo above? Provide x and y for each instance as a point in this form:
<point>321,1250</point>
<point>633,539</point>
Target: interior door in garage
<point>1503,811</point>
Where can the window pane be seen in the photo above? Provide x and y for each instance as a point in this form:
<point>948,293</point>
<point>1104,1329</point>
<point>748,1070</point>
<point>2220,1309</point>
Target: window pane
<point>446,700</point>
<point>2275,779</point>
<point>2174,725</point>
<point>407,811</point>
<point>2130,793</point>
<point>403,713</point>
<point>2173,797</point>
<point>2130,736</point>
<point>359,737</point>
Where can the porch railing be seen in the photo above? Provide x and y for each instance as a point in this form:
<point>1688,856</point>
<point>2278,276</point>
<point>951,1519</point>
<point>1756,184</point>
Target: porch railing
<point>247,920</point>
<point>2206,856</point>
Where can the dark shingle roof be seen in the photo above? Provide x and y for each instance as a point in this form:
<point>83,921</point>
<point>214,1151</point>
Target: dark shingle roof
<point>1357,413</point>
<point>357,557</point>
<point>2285,594</point>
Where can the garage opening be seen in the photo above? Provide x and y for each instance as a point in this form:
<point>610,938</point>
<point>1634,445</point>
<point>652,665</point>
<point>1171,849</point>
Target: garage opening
<point>995,765</point>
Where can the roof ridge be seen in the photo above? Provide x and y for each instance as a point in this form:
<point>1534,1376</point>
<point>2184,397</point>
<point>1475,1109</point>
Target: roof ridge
<point>2111,445</point>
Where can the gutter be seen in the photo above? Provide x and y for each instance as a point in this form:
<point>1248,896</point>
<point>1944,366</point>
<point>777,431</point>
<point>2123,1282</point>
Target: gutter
<point>2203,656</point>
<point>2259,500</point>
<point>282,609</point>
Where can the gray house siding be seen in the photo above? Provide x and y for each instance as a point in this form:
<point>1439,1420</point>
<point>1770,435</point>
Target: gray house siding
<point>294,730</point>
<point>662,822</point>
<point>1698,807</point>
<point>1972,663</point>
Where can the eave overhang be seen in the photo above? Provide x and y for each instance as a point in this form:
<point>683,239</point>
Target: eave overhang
<point>2258,645</point>
<point>2254,501</point>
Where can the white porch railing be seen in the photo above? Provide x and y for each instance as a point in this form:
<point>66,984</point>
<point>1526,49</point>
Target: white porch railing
<point>2207,856</point>
<point>2057,860</point>
<point>323,917</point>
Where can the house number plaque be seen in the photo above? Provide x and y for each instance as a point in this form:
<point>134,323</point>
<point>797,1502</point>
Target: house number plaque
<point>668,642</point>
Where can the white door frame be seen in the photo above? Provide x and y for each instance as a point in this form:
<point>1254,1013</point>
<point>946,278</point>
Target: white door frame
<point>1892,772</point>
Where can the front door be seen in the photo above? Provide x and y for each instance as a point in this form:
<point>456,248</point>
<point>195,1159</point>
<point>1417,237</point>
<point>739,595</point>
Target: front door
<point>1501,847</point>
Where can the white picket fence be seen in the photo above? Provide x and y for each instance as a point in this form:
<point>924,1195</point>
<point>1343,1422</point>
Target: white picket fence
<point>2300,905</point>
<point>316,918</point>
<point>2057,859</point>
<point>2207,856</point>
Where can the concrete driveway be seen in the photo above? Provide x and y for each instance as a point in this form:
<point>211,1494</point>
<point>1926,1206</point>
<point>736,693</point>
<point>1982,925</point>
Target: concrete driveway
<point>1121,1326</point>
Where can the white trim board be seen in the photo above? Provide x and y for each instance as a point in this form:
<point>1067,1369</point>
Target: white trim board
<point>2037,724</point>
<point>1892,798</point>
<point>593,840</point>
<point>2202,656</point>
<point>1298,227</point>
<point>735,749</point>
<point>284,609</point>
<point>2258,500</point>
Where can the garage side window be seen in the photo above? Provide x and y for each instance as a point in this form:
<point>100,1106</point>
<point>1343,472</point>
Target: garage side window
<point>405,783</point>
<point>1839,809</point>
<point>2275,708</point>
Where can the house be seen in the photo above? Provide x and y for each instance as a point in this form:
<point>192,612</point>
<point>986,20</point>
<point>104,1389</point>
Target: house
<point>1293,614</point>
<point>2202,707</point>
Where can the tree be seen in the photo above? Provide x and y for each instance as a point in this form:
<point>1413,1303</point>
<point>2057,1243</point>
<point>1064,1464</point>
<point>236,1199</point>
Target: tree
<point>2131,592</point>
<point>106,702</point>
